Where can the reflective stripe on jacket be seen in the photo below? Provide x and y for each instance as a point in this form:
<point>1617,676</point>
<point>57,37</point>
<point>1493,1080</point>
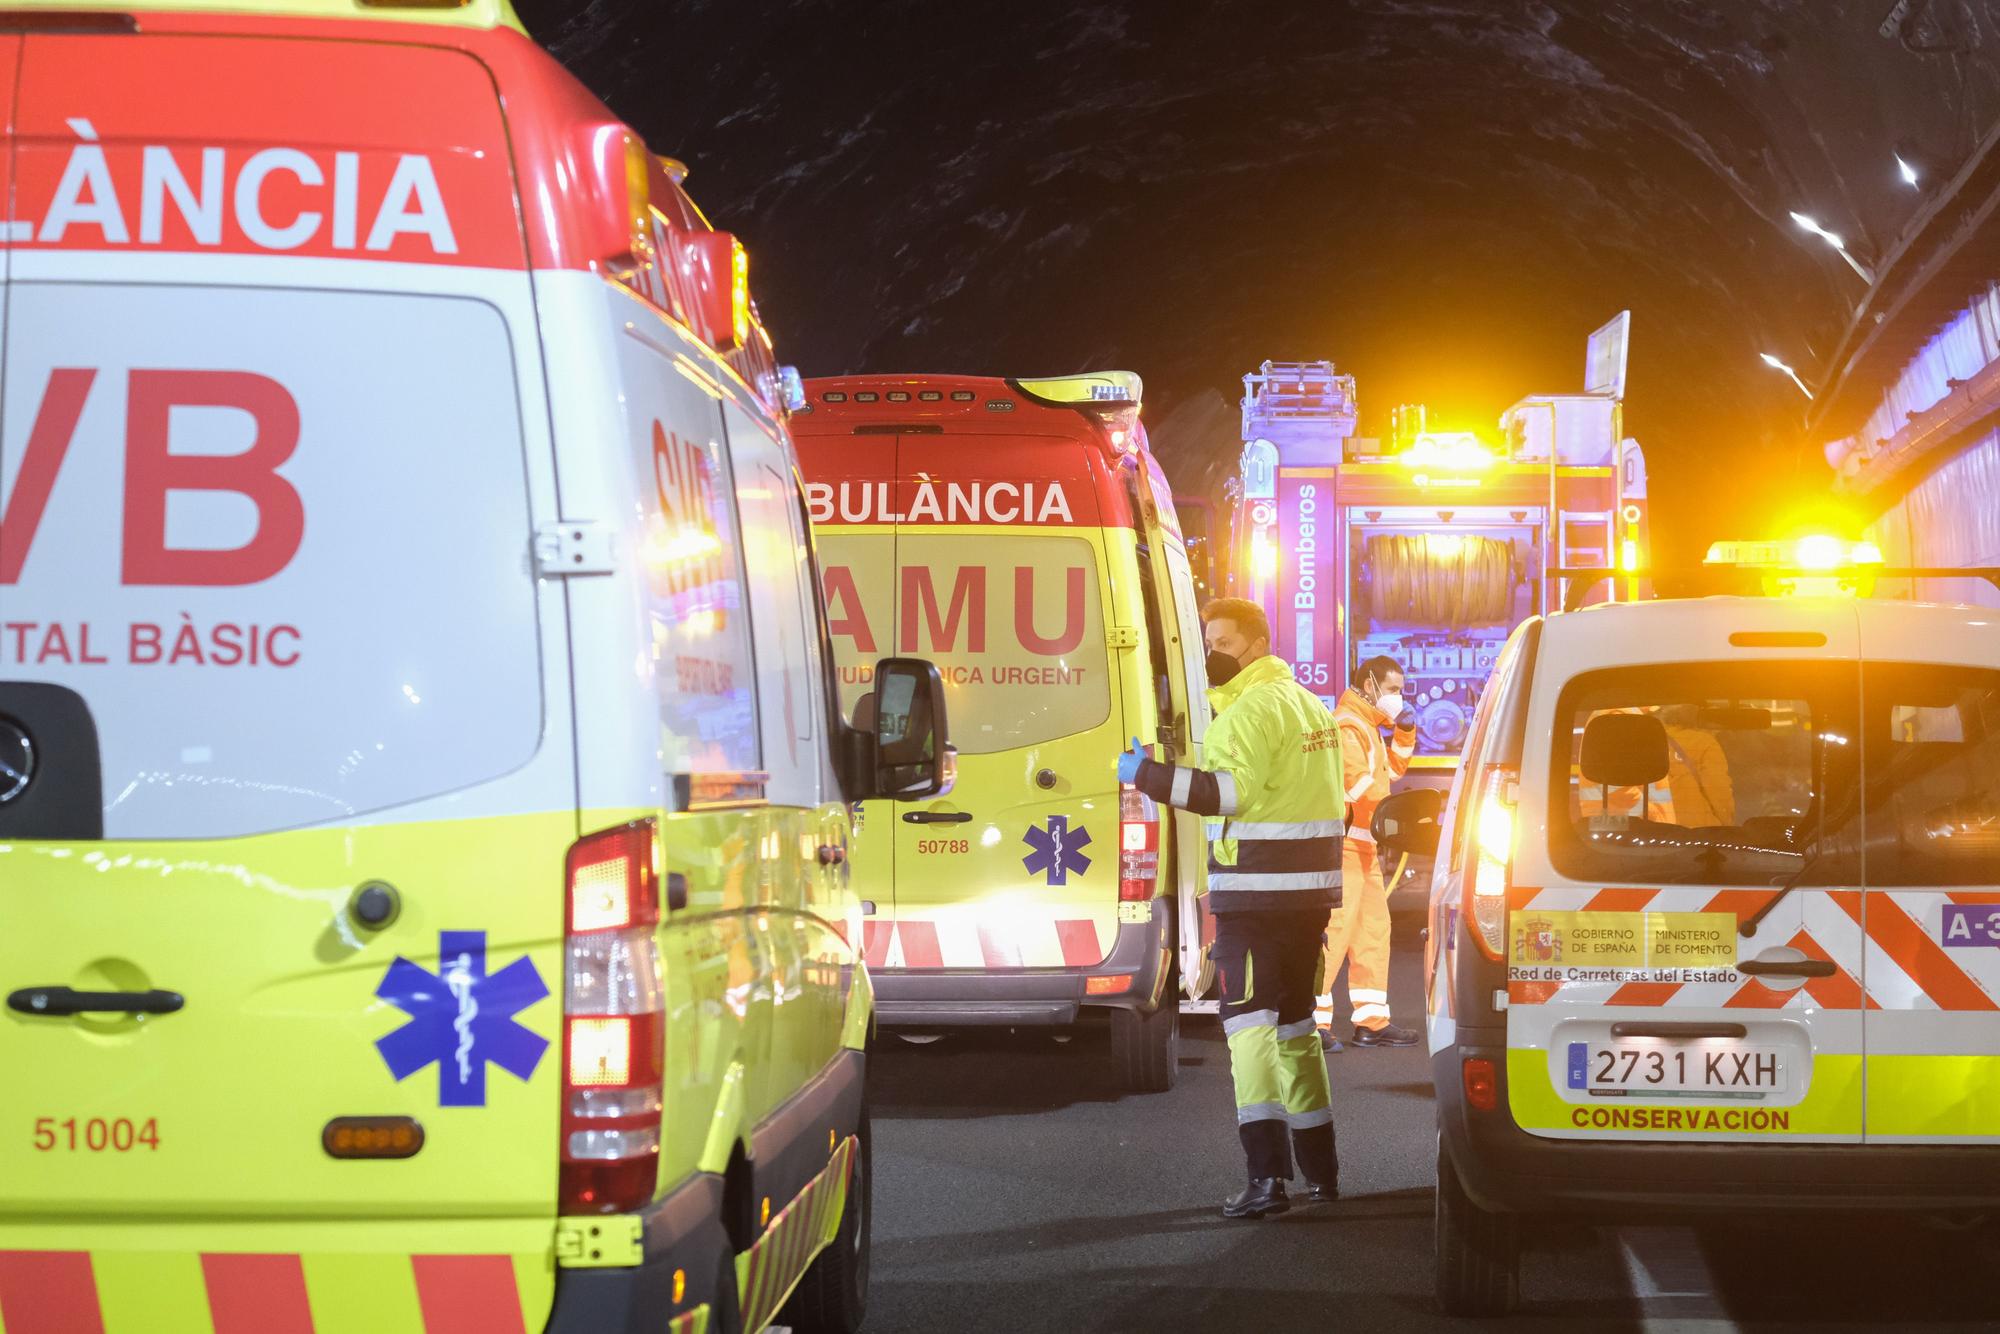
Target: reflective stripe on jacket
<point>1273,776</point>
<point>1369,764</point>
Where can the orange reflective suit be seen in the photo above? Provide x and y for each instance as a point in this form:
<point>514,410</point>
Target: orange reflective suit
<point>1359,931</point>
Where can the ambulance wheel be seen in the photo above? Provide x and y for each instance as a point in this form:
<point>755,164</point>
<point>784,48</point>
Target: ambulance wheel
<point>1146,1047</point>
<point>1478,1252</point>
<point>833,1295</point>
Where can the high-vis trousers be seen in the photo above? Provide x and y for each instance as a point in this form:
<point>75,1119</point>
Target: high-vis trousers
<point>1359,933</point>
<point>1265,962</point>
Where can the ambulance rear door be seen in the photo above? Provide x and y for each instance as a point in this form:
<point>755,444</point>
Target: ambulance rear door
<point>851,479</point>
<point>1684,959</point>
<point>1000,582</point>
<point>1931,753</point>
<point>272,458</point>
<point>1188,717</point>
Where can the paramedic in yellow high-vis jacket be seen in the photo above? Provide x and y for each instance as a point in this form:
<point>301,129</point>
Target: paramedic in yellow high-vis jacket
<point>1271,789</point>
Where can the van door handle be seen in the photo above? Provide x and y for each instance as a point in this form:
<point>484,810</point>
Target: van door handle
<point>937,817</point>
<point>65,1000</point>
<point>1786,967</point>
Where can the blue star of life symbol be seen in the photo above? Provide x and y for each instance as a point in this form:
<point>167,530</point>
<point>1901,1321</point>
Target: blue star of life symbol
<point>1058,850</point>
<point>461,1018</point>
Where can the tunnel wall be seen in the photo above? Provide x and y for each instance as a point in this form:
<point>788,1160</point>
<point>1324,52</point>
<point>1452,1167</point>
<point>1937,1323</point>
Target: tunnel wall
<point>1945,513</point>
<point>1951,517</point>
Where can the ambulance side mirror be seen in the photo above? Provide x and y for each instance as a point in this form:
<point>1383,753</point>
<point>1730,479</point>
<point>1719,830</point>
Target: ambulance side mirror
<point>910,748</point>
<point>1407,822</point>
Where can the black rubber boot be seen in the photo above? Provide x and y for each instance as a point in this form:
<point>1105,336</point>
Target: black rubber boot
<point>1265,1195</point>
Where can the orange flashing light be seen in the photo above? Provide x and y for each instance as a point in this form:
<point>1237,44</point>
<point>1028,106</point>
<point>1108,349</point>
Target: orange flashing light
<point>1450,454</point>
<point>1812,565</point>
<point>1111,984</point>
<point>372,1137</point>
<point>739,291</point>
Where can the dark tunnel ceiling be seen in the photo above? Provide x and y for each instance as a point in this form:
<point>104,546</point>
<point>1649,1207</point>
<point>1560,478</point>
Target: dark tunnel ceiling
<point>1442,197</point>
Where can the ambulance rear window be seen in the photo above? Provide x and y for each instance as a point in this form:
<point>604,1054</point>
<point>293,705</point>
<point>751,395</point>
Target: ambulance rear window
<point>1014,624</point>
<point>1707,774</point>
<point>284,559</point>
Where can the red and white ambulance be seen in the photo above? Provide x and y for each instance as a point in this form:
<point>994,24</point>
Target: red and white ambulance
<point>1020,534</point>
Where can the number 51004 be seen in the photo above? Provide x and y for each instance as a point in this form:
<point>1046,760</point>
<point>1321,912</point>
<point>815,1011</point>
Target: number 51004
<point>95,1134</point>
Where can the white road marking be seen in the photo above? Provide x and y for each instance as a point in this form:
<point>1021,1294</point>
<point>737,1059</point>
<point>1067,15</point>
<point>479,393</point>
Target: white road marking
<point>1666,1269</point>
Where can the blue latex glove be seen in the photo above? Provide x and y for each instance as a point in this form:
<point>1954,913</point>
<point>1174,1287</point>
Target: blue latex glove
<point>1129,762</point>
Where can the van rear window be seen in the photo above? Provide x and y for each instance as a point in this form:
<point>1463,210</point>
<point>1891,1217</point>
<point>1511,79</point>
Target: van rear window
<point>1707,774</point>
<point>1933,775</point>
<point>1014,624</point>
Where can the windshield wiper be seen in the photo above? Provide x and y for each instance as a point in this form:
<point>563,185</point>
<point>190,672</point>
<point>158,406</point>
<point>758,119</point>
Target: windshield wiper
<point>1747,926</point>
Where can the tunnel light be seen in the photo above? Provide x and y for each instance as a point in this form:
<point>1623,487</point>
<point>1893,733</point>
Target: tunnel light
<point>1777,365</point>
<point>1811,224</point>
<point>1906,171</point>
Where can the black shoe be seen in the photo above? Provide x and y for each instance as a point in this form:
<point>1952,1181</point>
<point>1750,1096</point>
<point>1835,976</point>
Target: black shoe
<point>1328,1042</point>
<point>1265,1195</point>
<point>1386,1036</point>
<point>1320,1195</point>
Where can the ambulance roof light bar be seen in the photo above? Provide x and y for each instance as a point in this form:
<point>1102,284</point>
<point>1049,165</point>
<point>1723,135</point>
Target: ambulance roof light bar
<point>1096,389</point>
<point>1111,396</point>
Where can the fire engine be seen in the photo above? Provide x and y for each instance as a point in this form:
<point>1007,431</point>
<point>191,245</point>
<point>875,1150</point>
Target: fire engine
<point>1431,546</point>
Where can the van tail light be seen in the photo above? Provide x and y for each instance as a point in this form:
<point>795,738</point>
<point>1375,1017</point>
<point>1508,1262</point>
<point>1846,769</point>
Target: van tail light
<point>1493,846</point>
<point>1138,845</point>
<point>614,1029</point>
<point>1482,1083</point>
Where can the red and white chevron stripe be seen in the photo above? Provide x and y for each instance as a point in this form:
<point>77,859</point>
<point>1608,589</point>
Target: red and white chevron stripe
<point>1891,939</point>
<point>1014,939</point>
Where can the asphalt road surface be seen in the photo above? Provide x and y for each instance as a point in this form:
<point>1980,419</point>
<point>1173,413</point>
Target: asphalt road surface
<point>1017,1190</point>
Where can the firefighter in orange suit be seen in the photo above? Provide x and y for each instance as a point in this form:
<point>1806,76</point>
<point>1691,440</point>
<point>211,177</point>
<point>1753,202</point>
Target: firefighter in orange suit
<point>1359,931</point>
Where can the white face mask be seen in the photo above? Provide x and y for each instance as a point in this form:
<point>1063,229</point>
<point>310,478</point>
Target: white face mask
<point>1390,704</point>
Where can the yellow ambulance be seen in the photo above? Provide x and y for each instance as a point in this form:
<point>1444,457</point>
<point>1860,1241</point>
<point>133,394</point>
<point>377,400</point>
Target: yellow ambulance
<point>423,814</point>
<point>1020,534</point>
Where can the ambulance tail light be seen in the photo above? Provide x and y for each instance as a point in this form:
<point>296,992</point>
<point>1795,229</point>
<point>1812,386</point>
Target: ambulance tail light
<point>1138,845</point>
<point>614,1029</point>
<point>1493,847</point>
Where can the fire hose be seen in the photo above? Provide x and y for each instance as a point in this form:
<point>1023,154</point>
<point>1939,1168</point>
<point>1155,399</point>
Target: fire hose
<point>1441,579</point>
